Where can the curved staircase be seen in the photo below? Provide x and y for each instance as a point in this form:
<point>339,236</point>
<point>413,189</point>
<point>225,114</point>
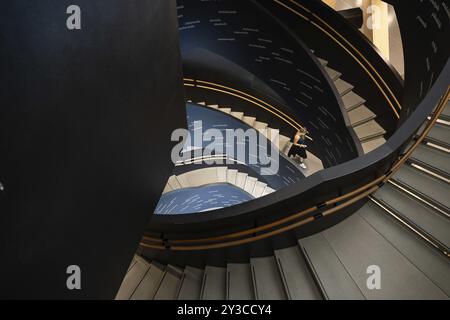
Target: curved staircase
<point>362,119</point>
<point>215,175</point>
<point>313,163</point>
<point>402,230</point>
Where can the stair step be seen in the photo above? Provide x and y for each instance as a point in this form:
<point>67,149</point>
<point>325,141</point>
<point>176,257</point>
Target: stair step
<point>260,125</point>
<point>213,106</point>
<point>167,189</point>
<point>369,130</point>
<point>343,87</point>
<point>191,284</point>
<point>359,246</point>
<point>174,183</point>
<point>418,213</point>
<point>249,120</point>
<point>440,135</point>
<point>225,110</point>
<point>249,185</point>
<point>231,176</point>
<point>237,115</point>
<point>424,184</point>
<point>266,279</point>
<point>433,264</point>
<point>239,282</point>
<point>322,61</point>
<point>334,279</point>
<point>150,283</point>
<point>240,179</point>
<point>297,279</point>
<point>169,286</point>
<point>214,280</point>
<point>352,100</point>
<point>132,279</point>
<point>222,174</point>
<point>373,144</point>
<point>437,160</point>
<point>360,115</point>
<point>334,75</point>
<point>133,262</point>
<point>267,191</point>
<point>259,189</point>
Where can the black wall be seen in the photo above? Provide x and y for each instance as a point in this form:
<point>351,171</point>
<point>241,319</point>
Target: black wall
<point>85,121</point>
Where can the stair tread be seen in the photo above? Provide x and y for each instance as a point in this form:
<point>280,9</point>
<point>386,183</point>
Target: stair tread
<point>214,283</point>
<point>432,157</point>
<point>334,75</point>
<point>249,120</point>
<point>322,61</point>
<point>260,125</point>
<point>239,282</point>
<point>168,287</point>
<point>425,184</point>
<point>360,246</point>
<point>173,182</point>
<point>238,115</point>
<point>225,110</point>
<point>192,284</point>
<point>149,285</point>
<point>249,185</point>
<point>420,214</point>
<point>343,87</point>
<point>440,133</point>
<point>259,189</point>
<point>266,279</point>
<point>429,261</point>
<point>373,144</point>
<point>335,280</point>
<point>297,278</point>
<point>360,115</point>
<point>352,100</point>
<point>132,279</point>
<point>240,179</point>
<point>231,176</point>
<point>369,130</point>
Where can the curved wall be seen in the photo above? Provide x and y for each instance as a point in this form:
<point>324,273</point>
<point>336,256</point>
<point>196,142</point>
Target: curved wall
<point>245,35</point>
<point>82,114</point>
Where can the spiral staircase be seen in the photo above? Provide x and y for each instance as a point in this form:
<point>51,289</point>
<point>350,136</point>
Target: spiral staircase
<point>404,229</point>
<point>94,184</point>
<point>396,221</point>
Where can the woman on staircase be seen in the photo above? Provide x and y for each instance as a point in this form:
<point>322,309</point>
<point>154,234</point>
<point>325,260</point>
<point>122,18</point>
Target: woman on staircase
<point>299,147</point>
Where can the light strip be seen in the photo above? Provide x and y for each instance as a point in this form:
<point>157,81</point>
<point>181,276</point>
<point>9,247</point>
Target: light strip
<point>430,172</point>
<point>419,198</point>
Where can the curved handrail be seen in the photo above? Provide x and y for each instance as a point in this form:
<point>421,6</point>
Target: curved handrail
<point>308,214</point>
<point>208,85</point>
